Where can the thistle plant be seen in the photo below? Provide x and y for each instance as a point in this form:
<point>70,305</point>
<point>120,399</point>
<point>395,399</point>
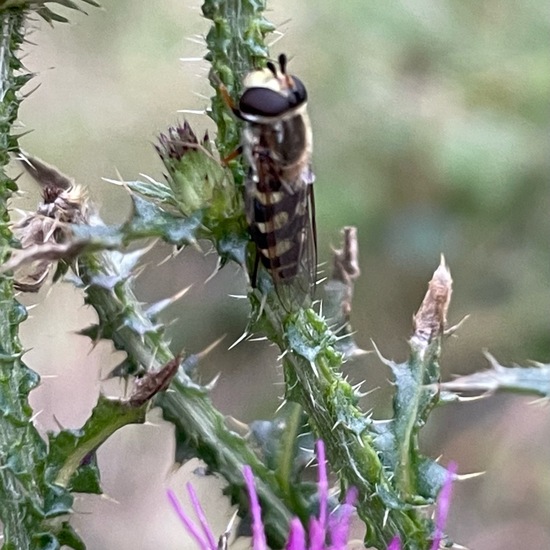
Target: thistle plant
<point>378,463</point>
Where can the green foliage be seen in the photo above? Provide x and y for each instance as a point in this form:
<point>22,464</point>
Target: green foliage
<point>236,44</point>
<point>533,380</point>
<point>39,7</point>
<point>202,200</point>
<point>22,493</point>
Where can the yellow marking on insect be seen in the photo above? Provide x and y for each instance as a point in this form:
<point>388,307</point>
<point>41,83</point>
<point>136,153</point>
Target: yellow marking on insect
<point>278,221</point>
<point>277,249</point>
<point>269,198</point>
<point>262,78</point>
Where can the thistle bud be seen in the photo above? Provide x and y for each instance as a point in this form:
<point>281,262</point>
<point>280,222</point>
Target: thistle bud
<point>431,319</point>
<point>198,179</point>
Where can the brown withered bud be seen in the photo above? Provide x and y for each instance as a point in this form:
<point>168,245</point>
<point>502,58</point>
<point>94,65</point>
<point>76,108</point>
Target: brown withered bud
<point>431,319</point>
<point>43,234</point>
<point>178,141</point>
<point>154,382</point>
<point>345,266</point>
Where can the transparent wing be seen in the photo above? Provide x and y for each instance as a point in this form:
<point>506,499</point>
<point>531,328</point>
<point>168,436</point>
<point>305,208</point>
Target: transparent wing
<point>281,216</point>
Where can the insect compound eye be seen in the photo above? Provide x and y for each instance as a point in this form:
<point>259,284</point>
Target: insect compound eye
<point>263,102</point>
<point>269,103</point>
<point>298,93</point>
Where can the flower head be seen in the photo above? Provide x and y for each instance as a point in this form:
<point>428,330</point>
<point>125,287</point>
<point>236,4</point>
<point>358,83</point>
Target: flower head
<point>329,531</point>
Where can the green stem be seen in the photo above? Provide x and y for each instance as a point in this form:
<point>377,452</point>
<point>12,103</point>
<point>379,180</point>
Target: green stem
<point>316,383</point>
<point>188,405</point>
<point>21,448</point>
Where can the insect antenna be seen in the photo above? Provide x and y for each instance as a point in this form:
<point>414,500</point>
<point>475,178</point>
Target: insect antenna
<point>272,68</point>
<point>282,63</point>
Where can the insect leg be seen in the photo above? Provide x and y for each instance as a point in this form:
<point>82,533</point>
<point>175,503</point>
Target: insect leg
<point>233,155</point>
<point>254,275</point>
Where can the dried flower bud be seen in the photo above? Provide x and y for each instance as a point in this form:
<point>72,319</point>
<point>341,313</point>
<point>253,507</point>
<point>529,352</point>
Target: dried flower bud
<point>154,382</point>
<point>177,142</point>
<point>431,319</point>
<point>63,204</point>
<point>198,179</point>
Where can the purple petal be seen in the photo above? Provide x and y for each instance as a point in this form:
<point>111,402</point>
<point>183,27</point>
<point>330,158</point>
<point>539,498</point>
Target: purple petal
<point>317,534</point>
<point>202,518</point>
<point>296,536</point>
<point>395,544</point>
<point>188,522</point>
<point>258,534</point>
<point>323,483</point>
<point>443,505</point>
<point>339,522</point>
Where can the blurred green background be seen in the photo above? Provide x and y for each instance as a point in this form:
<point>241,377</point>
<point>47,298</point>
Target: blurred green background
<point>431,128</point>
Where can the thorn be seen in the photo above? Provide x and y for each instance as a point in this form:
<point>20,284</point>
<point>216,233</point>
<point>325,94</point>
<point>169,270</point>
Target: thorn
<point>242,337</point>
<point>385,361</point>
<point>465,477</point>
<point>212,384</point>
<point>386,516</point>
<point>281,356</point>
<point>314,369</point>
<point>462,399</point>
<point>223,540</point>
<point>120,181</point>
<point>215,272</point>
<point>150,179</point>
<point>168,258</point>
<point>194,40</point>
<point>202,354</point>
<point>109,498</point>
<point>451,330</point>
<point>195,245</point>
<point>161,305</point>
<point>192,111</point>
<point>201,96</point>
<point>38,413</point>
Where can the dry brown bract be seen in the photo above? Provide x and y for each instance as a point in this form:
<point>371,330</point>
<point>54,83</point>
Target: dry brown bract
<point>45,235</point>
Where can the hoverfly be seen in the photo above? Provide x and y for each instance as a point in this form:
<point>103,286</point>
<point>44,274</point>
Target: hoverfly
<point>280,211</point>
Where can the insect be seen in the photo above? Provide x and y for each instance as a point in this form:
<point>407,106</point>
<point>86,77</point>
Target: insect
<point>280,209</point>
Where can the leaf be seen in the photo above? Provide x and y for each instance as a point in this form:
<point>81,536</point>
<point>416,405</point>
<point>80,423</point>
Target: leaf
<point>68,537</point>
<point>151,220</point>
<point>73,449</point>
<point>152,190</point>
<point>530,380</point>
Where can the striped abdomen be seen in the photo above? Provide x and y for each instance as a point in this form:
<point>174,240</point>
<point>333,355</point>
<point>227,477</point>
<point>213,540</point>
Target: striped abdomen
<point>278,224</point>
<point>278,194</point>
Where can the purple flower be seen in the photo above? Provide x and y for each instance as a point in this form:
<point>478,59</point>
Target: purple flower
<point>327,532</point>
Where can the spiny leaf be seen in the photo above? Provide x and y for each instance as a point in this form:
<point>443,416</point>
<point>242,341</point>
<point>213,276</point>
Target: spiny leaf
<point>39,7</point>
<point>70,449</point>
<point>533,380</point>
<point>151,220</point>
